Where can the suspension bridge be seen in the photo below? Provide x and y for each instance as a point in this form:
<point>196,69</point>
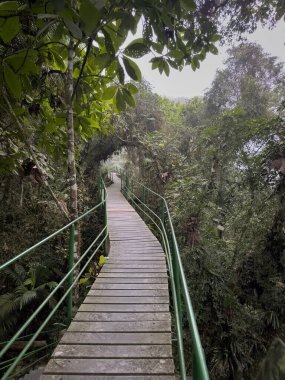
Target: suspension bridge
<point>123,329</point>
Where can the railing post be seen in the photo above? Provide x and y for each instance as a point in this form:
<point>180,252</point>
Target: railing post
<point>105,225</point>
<point>143,200</point>
<point>132,190</point>
<point>127,186</point>
<point>70,265</point>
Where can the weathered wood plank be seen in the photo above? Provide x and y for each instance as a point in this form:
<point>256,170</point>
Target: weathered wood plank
<point>133,265</point>
<point>88,338</point>
<point>127,300</point>
<point>107,317</point>
<point>112,351</point>
<point>112,377</point>
<point>102,286</point>
<point>110,366</point>
<point>133,275</point>
<point>133,280</point>
<point>128,293</point>
<point>131,270</point>
<point>133,326</point>
<point>124,256</point>
<point>121,308</point>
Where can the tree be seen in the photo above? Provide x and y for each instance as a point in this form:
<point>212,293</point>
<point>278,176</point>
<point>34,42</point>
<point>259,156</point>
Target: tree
<point>39,37</point>
<point>252,81</point>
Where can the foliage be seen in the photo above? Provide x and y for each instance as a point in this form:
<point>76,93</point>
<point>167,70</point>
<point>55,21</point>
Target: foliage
<point>225,187</point>
<point>29,290</point>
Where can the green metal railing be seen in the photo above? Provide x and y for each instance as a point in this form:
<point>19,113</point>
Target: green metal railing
<point>65,285</point>
<point>136,193</point>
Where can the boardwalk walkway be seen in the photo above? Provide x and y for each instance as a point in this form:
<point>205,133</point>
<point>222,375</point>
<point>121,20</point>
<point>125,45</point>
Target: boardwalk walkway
<point>122,331</point>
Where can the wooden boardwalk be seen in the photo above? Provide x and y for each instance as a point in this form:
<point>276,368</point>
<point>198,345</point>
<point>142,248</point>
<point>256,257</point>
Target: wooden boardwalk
<point>122,331</point>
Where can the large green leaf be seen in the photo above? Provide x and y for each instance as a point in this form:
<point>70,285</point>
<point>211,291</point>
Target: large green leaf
<point>10,29</point>
<point>129,98</point>
<point>109,93</point>
<point>120,101</point>
<point>121,73</point>
<point>59,62</point>
<point>109,42</point>
<point>132,69</point>
<point>73,28</point>
<point>189,5</point>
<point>89,15</point>
<point>137,48</point>
<point>102,60</point>
<point>132,88</point>
<point>6,7</point>
<point>12,81</point>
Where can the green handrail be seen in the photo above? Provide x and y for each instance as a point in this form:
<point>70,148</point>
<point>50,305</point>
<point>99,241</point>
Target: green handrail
<point>71,278</point>
<point>178,280</point>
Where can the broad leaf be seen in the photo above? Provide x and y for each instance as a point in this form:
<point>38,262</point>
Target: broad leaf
<point>121,74</point>
<point>137,48</point>
<point>129,98</point>
<point>89,15</point>
<point>10,29</point>
<point>120,101</point>
<point>73,28</point>
<point>13,81</point>
<point>132,88</point>
<point>132,69</point>
<point>109,93</point>
<point>7,6</point>
<point>189,5</point>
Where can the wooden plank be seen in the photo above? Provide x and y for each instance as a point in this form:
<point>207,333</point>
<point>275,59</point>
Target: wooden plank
<point>112,351</point>
<point>112,377</point>
<point>124,308</point>
<point>91,316</point>
<point>131,270</point>
<point>133,326</point>
<point>127,300</point>
<point>133,275</point>
<point>133,265</point>
<point>101,286</point>
<point>128,293</point>
<point>135,258</point>
<point>115,338</point>
<point>134,280</point>
<point>110,366</point>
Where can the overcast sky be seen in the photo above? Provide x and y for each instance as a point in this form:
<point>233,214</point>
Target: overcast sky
<point>188,83</point>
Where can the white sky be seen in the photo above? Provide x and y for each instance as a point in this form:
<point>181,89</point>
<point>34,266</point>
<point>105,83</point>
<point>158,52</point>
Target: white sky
<point>188,83</point>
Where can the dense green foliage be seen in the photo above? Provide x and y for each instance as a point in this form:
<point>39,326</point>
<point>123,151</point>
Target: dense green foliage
<point>67,68</point>
<point>223,175</point>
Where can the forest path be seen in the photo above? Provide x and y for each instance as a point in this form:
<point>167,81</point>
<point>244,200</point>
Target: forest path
<point>122,331</point>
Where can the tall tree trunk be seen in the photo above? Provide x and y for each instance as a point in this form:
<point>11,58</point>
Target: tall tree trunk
<point>73,203</point>
<point>73,206</point>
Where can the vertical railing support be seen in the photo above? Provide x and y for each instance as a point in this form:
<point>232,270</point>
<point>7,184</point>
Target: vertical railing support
<point>70,265</point>
<point>105,225</point>
<point>127,186</point>
<point>143,200</point>
<point>132,191</point>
